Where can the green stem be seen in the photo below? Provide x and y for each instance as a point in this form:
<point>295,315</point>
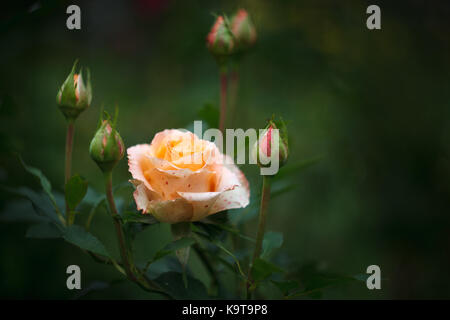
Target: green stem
<point>146,284</point>
<point>116,219</point>
<point>141,279</point>
<point>68,165</point>
<point>265,197</point>
<point>223,75</point>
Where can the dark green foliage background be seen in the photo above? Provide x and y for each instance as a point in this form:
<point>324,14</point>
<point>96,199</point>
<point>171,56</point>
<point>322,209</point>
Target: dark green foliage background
<point>373,104</point>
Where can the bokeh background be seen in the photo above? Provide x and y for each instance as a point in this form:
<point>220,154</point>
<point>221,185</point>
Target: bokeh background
<point>374,105</point>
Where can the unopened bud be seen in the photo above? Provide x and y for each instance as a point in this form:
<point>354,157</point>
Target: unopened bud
<point>74,96</point>
<point>106,147</point>
<point>220,41</point>
<point>272,144</point>
<point>243,30</point>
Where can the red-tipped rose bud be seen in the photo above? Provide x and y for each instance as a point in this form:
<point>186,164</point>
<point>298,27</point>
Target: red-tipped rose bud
<point>74,96</point>
<point>272,145</point>
<point>106,147</point>
<point>243,30</point>
<point>220,41</point>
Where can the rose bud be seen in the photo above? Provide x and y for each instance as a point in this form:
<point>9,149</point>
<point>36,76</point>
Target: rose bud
<point>243,30</point>
<point>220,41</point>
<point>272,145</point>
<point>106,147</point>
<point>74,96</point>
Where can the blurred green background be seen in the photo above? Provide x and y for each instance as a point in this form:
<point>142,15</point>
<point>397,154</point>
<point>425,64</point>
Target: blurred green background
<point>373,104</point>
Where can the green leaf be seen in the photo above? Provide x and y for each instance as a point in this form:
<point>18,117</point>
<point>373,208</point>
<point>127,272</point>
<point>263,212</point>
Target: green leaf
<point>45,183</point>
<point>166,264</point>
<point>133,229</point>
<point>272,240</point>
<point>314,280</point>
<point>263,269</point>
<point>43,231</point>
<point>180,231</point>
<point>76,189</point>
<point>172,283</point>
<point>85,240</point>
<point>236,260</point>
<point>173,246</point>
<point>179,244</point>
<point>40,203</point>
<point>213,231</point>
<point>217,243</point>
<point>215,227</point>
<point>20,211</point>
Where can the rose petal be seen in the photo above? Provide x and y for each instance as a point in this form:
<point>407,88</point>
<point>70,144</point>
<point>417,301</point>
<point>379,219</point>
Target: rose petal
<point>141,198</point>
<point>137,160</point>
<point>171,211</point>
<point>231,199</point>
<point>238,194</point>
<point>201,202</point>
<point>160,136</point>
<point>169,183</point>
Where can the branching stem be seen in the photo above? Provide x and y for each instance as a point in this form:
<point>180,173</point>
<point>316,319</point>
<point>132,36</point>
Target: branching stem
<point>118,226</point>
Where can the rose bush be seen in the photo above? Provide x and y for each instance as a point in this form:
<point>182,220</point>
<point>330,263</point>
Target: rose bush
<point>179,177</point>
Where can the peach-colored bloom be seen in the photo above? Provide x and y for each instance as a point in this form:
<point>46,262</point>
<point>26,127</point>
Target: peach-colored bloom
<point>179,177</point>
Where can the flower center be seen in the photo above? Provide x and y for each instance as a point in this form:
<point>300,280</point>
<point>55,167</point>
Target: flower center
<point>184,151</point>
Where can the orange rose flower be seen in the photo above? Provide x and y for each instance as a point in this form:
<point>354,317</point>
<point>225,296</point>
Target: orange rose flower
<point>179,178</point>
